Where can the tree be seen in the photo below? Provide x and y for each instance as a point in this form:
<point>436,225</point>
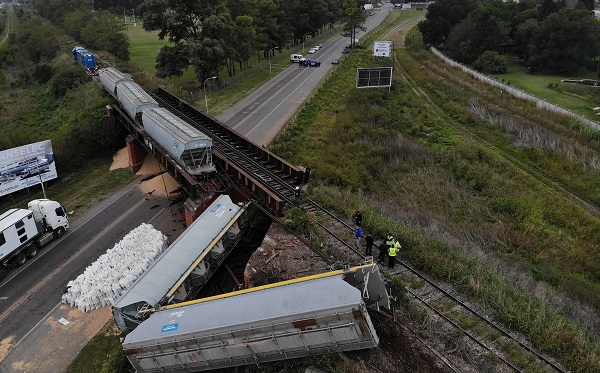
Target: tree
<point>353,17</point>
<point>479,32</point>
<point>490,62</point>
<point>442,15</point>
<point>201,30</point>
<point>106,32</point>
<point>566,40</point>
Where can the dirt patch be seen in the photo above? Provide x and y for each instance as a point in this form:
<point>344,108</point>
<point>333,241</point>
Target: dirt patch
<point>281,257</point>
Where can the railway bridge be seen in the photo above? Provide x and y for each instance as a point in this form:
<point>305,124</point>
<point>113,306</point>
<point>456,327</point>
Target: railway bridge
<point>256,172</point>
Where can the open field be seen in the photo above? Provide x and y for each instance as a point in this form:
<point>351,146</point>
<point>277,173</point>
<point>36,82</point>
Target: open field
<point>445,163</point>
<point>578,98</point>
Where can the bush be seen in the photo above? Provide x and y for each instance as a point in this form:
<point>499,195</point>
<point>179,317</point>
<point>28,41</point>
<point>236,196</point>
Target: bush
<point>490,62</point>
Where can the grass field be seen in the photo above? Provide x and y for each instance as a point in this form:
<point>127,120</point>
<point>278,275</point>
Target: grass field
<point>578,98</point>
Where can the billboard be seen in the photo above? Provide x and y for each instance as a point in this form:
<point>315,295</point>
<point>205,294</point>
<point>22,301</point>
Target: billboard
<point>26,166</point>
<point>382,48</point>
<point>375,77</point>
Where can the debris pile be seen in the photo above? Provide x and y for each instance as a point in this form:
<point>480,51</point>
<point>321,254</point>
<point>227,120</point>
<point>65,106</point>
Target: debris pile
<point>104,280</point>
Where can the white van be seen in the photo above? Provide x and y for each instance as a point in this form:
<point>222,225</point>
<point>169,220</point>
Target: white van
<point>297,58</point>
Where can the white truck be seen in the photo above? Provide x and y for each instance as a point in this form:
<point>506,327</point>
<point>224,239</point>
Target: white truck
<point>24,231</point>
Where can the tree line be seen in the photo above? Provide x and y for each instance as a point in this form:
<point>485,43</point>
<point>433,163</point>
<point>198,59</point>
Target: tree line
<point>207,35</point>
<point>546,35</point>
<point>211,34</point>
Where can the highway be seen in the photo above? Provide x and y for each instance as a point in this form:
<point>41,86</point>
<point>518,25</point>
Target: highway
<point>263,113</point>
<point>30,294</point>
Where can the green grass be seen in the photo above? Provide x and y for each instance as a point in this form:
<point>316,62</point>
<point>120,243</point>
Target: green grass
<point>550,88</point>
<point>103,354</point>
<point>443,181</point>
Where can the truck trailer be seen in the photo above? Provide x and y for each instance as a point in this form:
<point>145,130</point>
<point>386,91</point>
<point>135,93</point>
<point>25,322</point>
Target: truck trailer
<point>24,231</point>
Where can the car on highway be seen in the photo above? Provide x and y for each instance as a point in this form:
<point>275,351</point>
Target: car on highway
<point>335,61</point>
<point>347,50</point>
<point>312,51</point>
<point>317,47</point>
<point>311,62</point>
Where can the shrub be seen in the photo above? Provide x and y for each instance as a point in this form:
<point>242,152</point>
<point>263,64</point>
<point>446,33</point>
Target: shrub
<point>490,62</point>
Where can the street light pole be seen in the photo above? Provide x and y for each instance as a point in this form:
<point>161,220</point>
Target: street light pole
<point>277,47</point>
<point>133,10</point>
<point>204,89</point>
<point>303,38</point>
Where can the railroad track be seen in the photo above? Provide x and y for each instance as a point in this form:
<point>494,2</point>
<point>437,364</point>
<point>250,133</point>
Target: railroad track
<point>455,313</point>
<point>281,185</point>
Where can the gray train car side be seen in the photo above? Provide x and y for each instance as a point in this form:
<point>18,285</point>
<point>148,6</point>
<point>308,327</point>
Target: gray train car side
<point>194,256</point>
<point>110,77</point>
<point>134,99</point>
<point>190,147</point>
<point>269,323</point>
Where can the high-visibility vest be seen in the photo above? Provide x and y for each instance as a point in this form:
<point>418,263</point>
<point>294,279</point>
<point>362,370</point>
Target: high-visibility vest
<point>394,249</point>
<point>390,241</point>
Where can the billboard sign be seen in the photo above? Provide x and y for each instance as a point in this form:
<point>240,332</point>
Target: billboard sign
<point>375,77</point>
<point>382,48</point>
<point>26,166</point>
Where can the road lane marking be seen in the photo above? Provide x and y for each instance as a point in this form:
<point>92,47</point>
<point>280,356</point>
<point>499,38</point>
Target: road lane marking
<point>56,242</point>
<point>53,309</point>
<point>17,303</point>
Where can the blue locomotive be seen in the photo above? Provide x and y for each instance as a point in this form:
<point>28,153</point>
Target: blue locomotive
<point>86,59</point>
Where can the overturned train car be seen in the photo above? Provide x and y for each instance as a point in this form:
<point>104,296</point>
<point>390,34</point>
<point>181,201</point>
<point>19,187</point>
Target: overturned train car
<point>187,264</point>
<point>313,315</point>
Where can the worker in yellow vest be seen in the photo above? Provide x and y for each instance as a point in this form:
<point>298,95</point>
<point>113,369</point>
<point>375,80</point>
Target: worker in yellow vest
<point>392,252</point>
<point>383,251</point>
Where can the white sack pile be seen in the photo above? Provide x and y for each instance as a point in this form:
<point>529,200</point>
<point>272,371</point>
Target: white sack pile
<point>104,280</point>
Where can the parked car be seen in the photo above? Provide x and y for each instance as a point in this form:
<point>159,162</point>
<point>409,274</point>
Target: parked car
<point>347,50</point>
<point>335,61</point>
<point>317,47</point>
<point>312,51</point>
<point>314,63</point>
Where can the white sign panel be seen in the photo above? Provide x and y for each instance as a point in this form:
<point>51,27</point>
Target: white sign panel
<point>382,48</point>
<point>26,166</point>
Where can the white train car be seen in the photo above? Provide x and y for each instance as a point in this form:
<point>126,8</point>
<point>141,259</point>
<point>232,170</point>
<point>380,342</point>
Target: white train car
<point>190,147</point>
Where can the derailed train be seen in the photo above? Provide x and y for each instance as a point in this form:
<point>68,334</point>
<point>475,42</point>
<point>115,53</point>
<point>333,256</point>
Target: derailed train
<point>191,148</point>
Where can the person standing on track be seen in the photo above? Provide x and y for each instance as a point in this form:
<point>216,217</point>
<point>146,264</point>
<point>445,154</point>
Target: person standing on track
<point>357,218</point>
<point>384,249</point>
<point>393,251</point>
<point>358,235</point>
<point>369,242</point>
<point>297,195</point>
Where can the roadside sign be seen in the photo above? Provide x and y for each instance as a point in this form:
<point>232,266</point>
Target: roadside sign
<point>382,48</point>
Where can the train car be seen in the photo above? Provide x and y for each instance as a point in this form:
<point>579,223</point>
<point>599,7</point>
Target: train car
<point>191,148</point>
<point>134,99</point>
<point>86,59</point>
<point>110,77</point>
<point>287,320</point>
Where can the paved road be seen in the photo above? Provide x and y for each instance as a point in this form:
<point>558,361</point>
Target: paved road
<point>29,293</point>
<point>263,113</point>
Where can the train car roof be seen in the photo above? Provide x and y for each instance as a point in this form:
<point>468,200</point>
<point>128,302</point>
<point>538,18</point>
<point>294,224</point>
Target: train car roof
<point>236,311</point>
<point>135,93</point>
<point>179,130</point>
<point>178,257</point>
